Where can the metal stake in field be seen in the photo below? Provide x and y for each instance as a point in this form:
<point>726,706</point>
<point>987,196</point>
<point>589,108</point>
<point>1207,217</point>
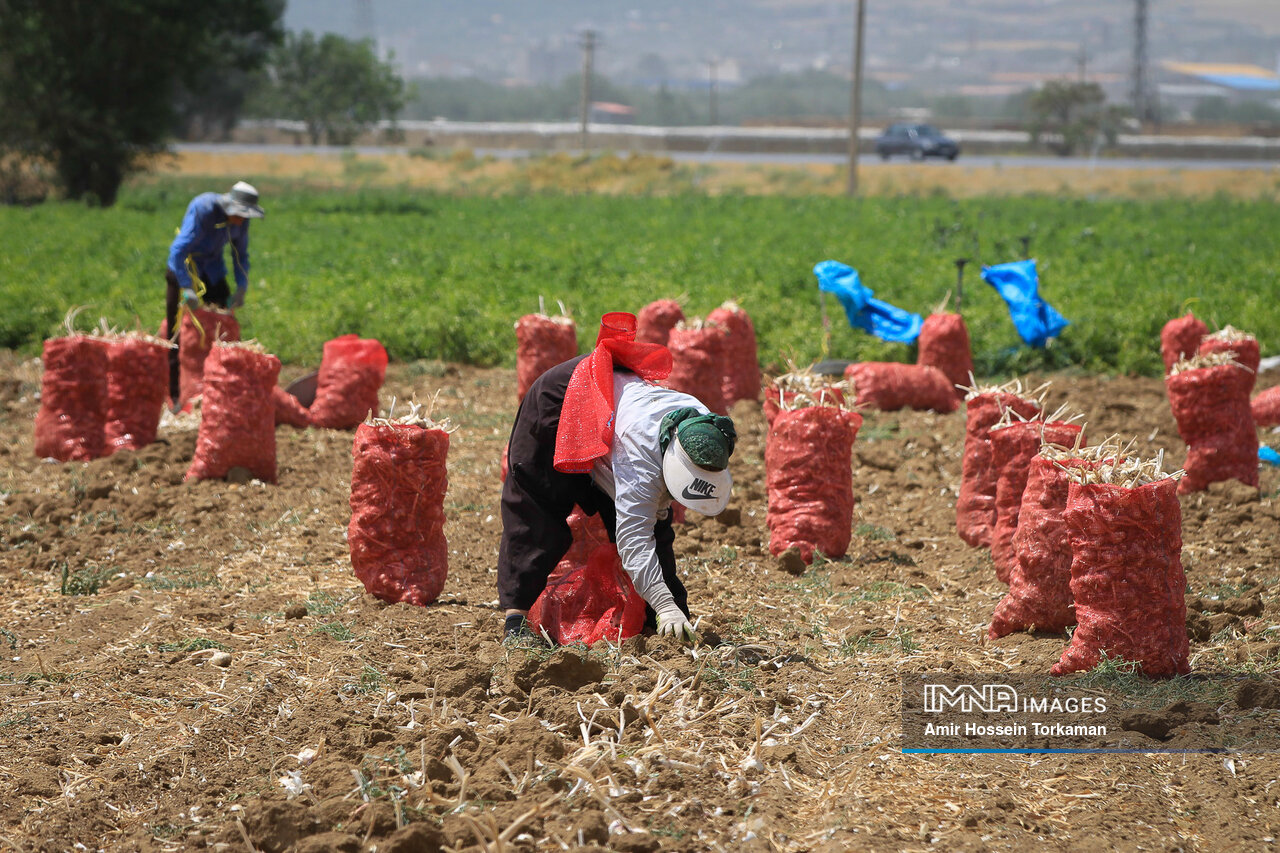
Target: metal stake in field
<point>960,263</point>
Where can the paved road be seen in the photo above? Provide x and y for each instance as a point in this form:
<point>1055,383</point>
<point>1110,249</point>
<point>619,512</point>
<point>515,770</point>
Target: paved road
<point>979,161</point>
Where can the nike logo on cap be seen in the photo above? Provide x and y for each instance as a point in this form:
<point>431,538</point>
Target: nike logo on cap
<point>699,490</point>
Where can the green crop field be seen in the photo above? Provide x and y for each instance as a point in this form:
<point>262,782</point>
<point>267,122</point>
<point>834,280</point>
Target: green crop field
<point>443,277</point>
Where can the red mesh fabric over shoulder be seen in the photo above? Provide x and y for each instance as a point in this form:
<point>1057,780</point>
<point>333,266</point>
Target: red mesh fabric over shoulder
<point>1245,350</point>
<point>698,365</point>
<point>288,409</point>
<point>944,344</point>
<point>1126,578</point>
<point>137,387</point>
<point>890,386</point>
<point>351,372</point>
<point>195,344</point>
<point>1039,596</point>
<point>589,596</point>
<point>808,461</point>
<point>976,503</point>
<point>1266,407</point>
<point>775,399</point>
<point>656,320</point>
<point>542,342</point>
<point>741,360</point>
<point>69,423</point>
<point>396,535</point>
<point>237,417</point>
<point>1211,406</point>
<point>1012,449</point>
<point>1180,338</point>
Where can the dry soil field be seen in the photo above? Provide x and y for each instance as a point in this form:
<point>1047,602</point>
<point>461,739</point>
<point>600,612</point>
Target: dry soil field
<point>192,666</point>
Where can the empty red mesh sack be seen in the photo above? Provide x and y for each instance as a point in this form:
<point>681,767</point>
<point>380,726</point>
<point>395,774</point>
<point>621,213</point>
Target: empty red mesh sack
<point>1211,406</point>
<point>289,409</point>
<point>1039,596</point>
<point>237,417</point>
<point>890,386</point>
<point>741,360</point>
<point>396,534</point>
<point>1180,338</point>
<point>1242,345</point>
<point>69,423</point>
<point>351,372</point>
<point>137,387</point>
<point>809,475</point>
<point>589,596</point>
<point>1266,407</point>
<point>976,503</point>
<point>1012,449</point>
<point>698,359</point>
<point>777,399</point>
<point>656,320</point>
<point>944,344</point>
<point>542,342</point>
<point>1126,577</point>
<point>196,342</point>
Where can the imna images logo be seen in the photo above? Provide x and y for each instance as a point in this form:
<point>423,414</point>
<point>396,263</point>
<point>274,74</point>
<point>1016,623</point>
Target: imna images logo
<point>965,698</point>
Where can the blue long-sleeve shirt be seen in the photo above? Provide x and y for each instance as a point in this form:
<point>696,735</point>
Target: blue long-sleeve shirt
<point>204,234</point>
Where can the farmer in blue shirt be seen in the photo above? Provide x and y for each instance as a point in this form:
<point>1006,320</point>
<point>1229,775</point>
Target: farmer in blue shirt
<point>197,273</point>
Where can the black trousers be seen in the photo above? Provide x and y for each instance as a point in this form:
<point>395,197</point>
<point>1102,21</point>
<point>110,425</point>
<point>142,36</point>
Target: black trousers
<point>217,293</point>
<point>536,500</point>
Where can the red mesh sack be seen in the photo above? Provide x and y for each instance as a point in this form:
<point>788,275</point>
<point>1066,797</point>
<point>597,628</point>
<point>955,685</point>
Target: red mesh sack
<point>1126,577</point>
<point>809,476</point>
<point>1180,338</point>
<point>741,360</point>
<point>976,503</point>
<point>1266,407</point>
<point>542,342</point>
<point>944,344</point>
<point>656,320</point>
<point>237,417</point>
<point>889,386</point>
<point>351,372</point>
<point>589,596</point>
<point>777,399</point>
<point>69,423</point>
<point>1241,345</point>
<point>396,534</point>
<point>1211,405</point>
<point>196,342</point>
<point>697,364</point>
<point>1012,449</point>
<point>289,409</point>
<point>1039,596</point>
<point>137,387</point>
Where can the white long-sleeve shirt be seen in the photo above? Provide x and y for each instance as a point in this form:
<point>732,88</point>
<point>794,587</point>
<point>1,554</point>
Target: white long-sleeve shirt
<point>631,474</point>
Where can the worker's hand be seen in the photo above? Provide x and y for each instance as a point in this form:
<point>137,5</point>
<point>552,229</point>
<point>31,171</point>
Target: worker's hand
<point>190,299</point>
<point>673,623</point>
<point>237,298</point>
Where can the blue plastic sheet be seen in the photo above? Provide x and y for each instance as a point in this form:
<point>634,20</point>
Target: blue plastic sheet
<point>1267,455</point>
<point>885,321</point>
<point>1019,285</point>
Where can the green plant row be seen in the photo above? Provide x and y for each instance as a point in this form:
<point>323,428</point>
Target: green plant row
<point>440,277</point>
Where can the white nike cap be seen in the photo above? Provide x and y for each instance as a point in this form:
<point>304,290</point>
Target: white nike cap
<point>703,491</point>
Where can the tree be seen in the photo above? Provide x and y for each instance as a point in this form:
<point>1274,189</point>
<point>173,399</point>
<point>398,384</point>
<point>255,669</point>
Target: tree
<point>337,86</point>
<point>1075,113</point>
<point>91,86</point>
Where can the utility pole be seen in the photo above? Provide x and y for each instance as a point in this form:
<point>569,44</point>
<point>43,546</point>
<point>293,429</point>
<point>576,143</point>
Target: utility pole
<point>584,106</point>
<point>1082,64</point>
<point>711,65</point>
<point>855,98</point>
<point>1141,101</point>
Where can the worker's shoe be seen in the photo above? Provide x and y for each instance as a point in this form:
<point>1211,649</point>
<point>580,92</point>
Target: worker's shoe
<point>517,631</point>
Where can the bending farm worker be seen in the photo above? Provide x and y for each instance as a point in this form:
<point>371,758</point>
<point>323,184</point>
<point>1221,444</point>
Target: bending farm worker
<point>596,431</point>
<point>196,273</point>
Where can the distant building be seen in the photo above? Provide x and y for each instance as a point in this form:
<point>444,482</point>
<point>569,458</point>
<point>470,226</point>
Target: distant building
<point>604,112</point>
<point>1184,84</point>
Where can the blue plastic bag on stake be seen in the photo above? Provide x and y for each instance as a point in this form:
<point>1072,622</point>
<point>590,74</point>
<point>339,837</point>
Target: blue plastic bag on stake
<point>1019,285</point>
<point>885,321</point>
